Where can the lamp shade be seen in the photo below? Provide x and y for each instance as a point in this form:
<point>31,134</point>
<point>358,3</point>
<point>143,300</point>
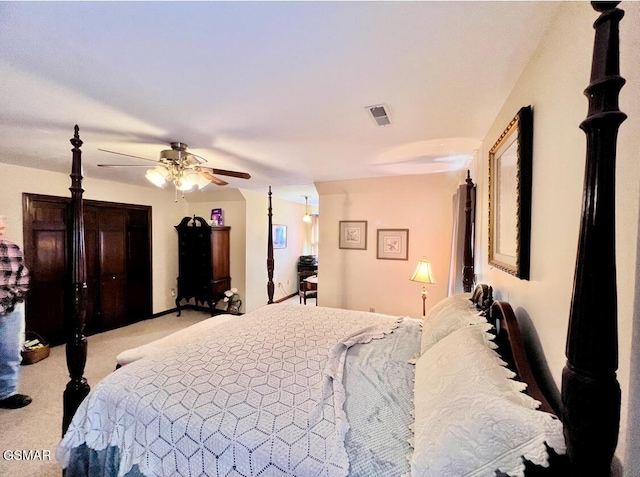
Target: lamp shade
<point>423,273</point>
<point>157,176</point>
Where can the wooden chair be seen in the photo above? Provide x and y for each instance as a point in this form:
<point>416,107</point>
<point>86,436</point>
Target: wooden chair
<point>307,289</point>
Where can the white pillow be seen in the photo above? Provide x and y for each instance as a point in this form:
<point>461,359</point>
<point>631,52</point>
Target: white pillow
<point>470,417</point>
<point>448,315</point>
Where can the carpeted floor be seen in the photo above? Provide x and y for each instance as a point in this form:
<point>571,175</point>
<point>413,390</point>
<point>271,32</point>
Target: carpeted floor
<point>37,427</point>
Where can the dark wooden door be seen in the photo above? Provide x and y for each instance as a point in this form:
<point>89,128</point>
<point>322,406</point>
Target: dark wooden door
<point>138,290</point>
<point>112,232</point>
<point>45,238</point>
<point>118,252</point>
<point>93,320</point>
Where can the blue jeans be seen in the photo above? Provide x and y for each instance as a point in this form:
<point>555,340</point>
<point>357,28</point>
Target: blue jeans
<point>11,339</point>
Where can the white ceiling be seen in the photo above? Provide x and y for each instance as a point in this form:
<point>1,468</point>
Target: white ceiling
<point>276,89</point>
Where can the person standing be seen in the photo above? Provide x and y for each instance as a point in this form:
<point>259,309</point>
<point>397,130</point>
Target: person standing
<point>14,284</point>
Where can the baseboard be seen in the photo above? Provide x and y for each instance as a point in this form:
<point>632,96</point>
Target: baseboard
<point>285,298</point>
<point>191,307</point>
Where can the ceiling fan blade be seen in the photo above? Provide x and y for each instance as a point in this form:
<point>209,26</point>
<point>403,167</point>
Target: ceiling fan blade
<point>123,165</point>
<point>196,159</point>
<point>128,155</point>
<point>212,178</point>
<point>222,172</point>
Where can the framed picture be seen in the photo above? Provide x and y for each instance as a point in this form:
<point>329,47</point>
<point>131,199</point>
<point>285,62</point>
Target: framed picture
<point>510,162</point>
<point>353,234</point>
<point>393,244</point>
<point>279,236</point>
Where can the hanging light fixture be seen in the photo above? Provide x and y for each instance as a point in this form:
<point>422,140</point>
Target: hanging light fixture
<point>183,169</point>
<point>307,215</point>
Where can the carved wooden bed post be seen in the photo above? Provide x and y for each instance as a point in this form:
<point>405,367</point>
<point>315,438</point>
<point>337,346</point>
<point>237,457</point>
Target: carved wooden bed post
<point>468,277</point>
<point>590,390</point>
<point>76,308</point>
<point>270,285</point>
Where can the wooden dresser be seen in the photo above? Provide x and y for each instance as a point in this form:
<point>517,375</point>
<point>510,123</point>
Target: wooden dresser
<point>204,268</point>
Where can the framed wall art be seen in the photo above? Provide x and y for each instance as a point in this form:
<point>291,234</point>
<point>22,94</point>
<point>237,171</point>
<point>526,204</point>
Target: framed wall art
<point>510,162</point>
<point>279,236</point>
<point>353,234</point>
<point>393,244</point>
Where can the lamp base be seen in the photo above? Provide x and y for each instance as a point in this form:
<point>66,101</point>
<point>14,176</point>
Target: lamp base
<point>424,302</point>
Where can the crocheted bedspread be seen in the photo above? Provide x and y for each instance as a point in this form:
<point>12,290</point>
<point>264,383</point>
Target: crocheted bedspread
<point>263,395</point>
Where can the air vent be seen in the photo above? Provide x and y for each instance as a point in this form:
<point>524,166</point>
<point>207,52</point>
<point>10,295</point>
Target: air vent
<point>379,114</point>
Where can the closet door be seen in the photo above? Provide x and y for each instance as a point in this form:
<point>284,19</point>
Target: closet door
<point>138,290</point>
<point>45,237</point>
<point>93,318</point>
<point>112,227</point>
<point>118,257</point>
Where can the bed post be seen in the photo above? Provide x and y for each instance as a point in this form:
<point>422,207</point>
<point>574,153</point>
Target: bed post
<point>76,309</point>
<point>590,390</point>
<point>270,285</point>
<point>468,277</point>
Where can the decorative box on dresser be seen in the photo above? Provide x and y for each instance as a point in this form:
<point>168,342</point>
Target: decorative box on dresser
<point>204,268</point>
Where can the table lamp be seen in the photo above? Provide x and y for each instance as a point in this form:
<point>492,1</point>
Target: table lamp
<point>424,275</point>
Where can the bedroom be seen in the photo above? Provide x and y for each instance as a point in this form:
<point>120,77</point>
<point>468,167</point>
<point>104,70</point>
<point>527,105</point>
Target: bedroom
<point>552,82</point>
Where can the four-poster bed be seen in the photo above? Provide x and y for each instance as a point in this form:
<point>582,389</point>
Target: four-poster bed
<point>590,392</point>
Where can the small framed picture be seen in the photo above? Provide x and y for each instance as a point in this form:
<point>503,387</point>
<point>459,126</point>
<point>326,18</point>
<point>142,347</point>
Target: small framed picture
<point>353,234</point>
<point>393,244</point>
<point>279,236</point>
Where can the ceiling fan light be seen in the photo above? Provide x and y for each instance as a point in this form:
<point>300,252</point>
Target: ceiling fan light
<point>157,176</point>
<point>198,180</point>
<point>185,184</point>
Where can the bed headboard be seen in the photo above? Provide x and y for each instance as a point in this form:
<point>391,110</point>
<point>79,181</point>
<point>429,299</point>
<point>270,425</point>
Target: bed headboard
<point>512,350</point>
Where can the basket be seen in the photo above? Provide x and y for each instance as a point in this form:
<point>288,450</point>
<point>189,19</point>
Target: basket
<point>36,352</point>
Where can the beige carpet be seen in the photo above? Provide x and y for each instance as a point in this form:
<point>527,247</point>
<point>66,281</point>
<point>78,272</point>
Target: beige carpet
<point>38,426</point>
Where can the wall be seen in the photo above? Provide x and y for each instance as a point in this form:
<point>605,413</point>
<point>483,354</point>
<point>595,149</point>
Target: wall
<point>165,214</point>
<point>360,281</point>
<point>553,84</point>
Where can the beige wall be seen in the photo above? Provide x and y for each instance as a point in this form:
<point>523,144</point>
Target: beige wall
<point>165,214</point>
<point>553,84</point>
<point>356,279</point>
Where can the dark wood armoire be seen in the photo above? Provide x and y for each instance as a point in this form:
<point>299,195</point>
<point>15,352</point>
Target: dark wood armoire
<point>204,264</point>
<point>118,256</point>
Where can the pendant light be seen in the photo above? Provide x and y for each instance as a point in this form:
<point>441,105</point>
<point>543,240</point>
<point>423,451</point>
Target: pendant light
<point>307,215</point>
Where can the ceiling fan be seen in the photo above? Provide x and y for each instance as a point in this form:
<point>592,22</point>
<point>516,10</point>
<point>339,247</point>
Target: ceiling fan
<point>180,167</point>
